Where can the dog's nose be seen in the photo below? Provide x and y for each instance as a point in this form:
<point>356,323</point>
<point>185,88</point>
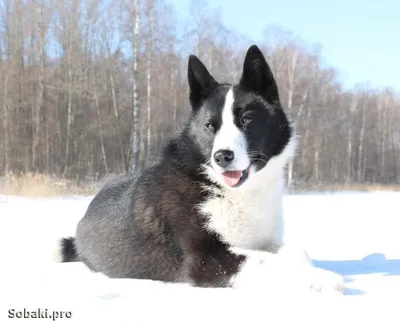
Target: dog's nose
<point>223,157</point>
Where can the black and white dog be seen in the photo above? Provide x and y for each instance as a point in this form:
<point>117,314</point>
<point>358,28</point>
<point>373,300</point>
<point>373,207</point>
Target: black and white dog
<point>209,213</point>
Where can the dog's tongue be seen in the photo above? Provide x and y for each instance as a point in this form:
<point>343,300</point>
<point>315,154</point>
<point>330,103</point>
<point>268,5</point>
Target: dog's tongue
<point>232,177</point>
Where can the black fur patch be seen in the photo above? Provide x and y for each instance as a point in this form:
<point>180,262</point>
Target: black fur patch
<point>68,250</point>
<point>269,130</point>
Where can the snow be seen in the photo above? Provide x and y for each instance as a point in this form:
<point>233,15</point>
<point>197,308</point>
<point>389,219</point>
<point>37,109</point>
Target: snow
<point>353,233</point>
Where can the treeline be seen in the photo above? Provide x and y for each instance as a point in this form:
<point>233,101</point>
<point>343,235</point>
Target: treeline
<point>95,87</point>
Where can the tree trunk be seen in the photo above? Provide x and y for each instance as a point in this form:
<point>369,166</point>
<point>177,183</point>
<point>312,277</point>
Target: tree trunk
<point>382,102</point>
<point>149,58</point>
<point>135,162</point>
<point>6,130</point>
<point>349,154</point>
<point>69,109</point>
<point>175,101</point>
<point>360,145</point>
<point>39,96</point>
<point>99,127</point>
<point>291,80</point>
<point>118,122</point>
<point>316,166</point>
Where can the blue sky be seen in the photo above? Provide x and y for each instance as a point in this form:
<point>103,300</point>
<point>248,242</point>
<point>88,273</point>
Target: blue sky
<point>359,37</point>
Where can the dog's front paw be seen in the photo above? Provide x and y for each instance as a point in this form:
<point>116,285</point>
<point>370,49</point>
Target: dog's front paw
<point>324,281</point>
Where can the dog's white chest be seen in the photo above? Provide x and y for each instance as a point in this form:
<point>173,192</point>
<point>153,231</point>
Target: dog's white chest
<point>250,220</point>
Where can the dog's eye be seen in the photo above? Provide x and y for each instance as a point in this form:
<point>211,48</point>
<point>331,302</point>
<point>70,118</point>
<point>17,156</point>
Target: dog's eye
<point>209,126</point>
<point>245,120</point>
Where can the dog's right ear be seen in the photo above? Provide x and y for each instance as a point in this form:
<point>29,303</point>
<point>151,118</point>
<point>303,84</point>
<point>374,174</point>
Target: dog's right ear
<point>201,83</point>
<point>257,75</point>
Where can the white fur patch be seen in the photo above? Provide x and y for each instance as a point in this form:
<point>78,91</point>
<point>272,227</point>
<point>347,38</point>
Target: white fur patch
<point>250,216</point>
<point>289,268</point>
<point>252,273</point>
<point>56,256</point>
<point>230,137</point>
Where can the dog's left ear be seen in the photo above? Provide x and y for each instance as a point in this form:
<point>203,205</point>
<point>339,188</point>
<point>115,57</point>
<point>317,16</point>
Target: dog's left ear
<point>257,75</point>
<point>201,83</point>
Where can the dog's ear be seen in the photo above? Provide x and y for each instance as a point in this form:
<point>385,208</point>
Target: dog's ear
<point>257,75</point>
<point>201,83</point>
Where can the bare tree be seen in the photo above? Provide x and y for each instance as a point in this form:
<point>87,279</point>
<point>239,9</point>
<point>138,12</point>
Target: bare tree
<point>134,32</point>
<point>149,64</point>
<point>95,87</point>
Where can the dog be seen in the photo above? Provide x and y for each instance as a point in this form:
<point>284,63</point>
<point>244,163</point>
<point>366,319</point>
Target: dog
<point>209,212</point>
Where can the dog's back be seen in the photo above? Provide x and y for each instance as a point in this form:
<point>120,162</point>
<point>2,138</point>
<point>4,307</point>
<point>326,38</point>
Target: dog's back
<point>123,234</point>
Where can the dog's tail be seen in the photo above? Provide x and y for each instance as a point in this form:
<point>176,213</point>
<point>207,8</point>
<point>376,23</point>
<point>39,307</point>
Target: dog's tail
<point>66,251</point>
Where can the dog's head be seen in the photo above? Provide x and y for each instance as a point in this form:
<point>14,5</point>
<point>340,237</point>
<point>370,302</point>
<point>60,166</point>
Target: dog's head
<point>238,128</point>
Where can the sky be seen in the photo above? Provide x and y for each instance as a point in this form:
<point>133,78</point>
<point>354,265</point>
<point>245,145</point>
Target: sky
<point>359,37</point>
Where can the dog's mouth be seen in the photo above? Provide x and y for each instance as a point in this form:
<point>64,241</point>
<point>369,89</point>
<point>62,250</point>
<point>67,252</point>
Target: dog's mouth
<point>235,179</point>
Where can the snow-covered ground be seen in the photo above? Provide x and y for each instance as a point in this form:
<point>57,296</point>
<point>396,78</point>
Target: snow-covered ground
<point>355,234</point>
